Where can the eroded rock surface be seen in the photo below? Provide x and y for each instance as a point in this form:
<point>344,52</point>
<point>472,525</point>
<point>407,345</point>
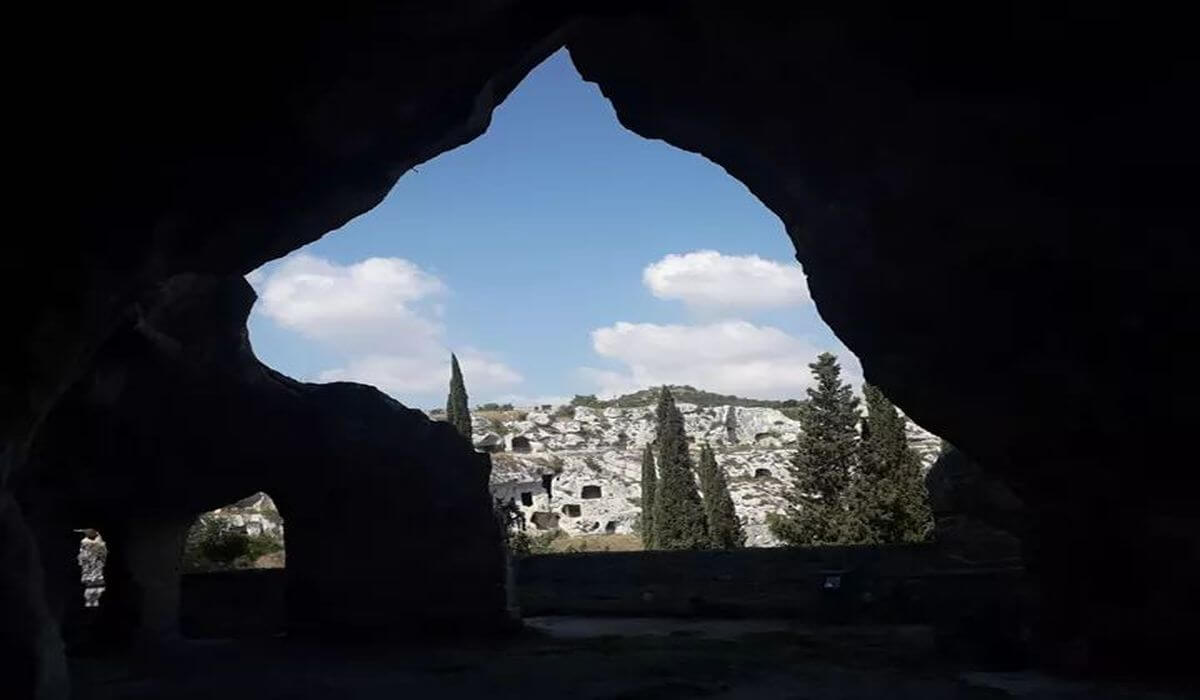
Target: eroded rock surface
<point>583,447</point>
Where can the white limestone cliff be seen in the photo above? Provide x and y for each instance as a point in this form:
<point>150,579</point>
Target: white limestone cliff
<point>591,450</point>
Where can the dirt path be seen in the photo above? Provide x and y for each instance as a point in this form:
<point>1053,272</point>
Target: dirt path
<point>582,659</point>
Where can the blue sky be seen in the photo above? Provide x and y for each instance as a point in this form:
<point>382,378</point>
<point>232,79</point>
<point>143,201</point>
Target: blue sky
<point>556,254</point>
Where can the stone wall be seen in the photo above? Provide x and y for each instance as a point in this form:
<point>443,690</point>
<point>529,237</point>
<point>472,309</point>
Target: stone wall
<point>977,609</point>
<point>245,603</point>
<point>981,611</point>
<point>820,584</point>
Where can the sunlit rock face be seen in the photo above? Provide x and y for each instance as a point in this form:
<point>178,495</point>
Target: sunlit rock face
<point>584,447</point>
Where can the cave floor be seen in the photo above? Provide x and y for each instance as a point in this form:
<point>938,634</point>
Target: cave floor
<point>570,658</point>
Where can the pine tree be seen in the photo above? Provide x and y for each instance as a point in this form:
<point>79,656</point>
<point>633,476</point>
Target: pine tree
<point>826,459</point>
<point>679,521</point>
<point>890,498</point>
<point>458,413</point>
<point>649,487</point>
<point>724,528</point>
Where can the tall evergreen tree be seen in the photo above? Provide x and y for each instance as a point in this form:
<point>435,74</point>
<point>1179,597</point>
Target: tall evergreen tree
<point>458,413</point>
<point>724,528</point>
<point>884,440</point>
<point>889,496</point>
<point>826,459</point>
<point>679,521</point>
<point>649,488</point>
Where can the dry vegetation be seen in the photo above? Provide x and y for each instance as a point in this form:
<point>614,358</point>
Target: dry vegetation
<point>596,543</point>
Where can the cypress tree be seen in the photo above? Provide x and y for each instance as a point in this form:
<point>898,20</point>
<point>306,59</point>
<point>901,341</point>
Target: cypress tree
<point>826,459</point>
<point>883,438</point>
<point>458,413</point>
<point>890,494</point>
<point>649,484</point>
<point>724,528</point>
<point>679,521</point>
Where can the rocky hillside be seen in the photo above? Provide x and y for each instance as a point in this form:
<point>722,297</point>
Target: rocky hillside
<point>593,456</point>
<point>684,393</point>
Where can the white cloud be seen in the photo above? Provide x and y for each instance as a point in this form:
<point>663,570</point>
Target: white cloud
<point>381,315</point>
<point>423,372</point>
<point>732,357</point>
<point>376,301</point>
<point>707,279</point>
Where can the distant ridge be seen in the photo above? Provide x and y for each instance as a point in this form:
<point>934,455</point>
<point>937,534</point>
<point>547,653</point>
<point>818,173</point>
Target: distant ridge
<point>688,394</point>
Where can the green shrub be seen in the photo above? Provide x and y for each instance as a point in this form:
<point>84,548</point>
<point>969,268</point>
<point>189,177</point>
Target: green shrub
<point>216,543</point>
<point>261,545</point>
<point>589,400</point>
<point>522,544</point>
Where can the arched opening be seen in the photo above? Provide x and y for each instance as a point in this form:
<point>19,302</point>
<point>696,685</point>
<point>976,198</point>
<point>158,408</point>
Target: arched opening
<point>738,367</point>
<point>245,534</point>
<point>233,561</point>
<point>762,473</point>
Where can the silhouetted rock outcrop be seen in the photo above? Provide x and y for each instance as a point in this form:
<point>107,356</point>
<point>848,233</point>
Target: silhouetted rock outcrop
<point>1002,240</point>
<point>178,417</point>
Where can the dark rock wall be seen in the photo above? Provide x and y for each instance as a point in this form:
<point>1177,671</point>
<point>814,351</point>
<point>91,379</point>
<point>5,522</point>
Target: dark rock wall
<point>178,417</point>
<point>994,208</point>
<point>976,515</point>
<point>214,160</point>
<point>208,141</point>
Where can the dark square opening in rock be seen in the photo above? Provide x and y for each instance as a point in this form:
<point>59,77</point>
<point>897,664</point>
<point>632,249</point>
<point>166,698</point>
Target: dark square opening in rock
<point>545,521</point>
